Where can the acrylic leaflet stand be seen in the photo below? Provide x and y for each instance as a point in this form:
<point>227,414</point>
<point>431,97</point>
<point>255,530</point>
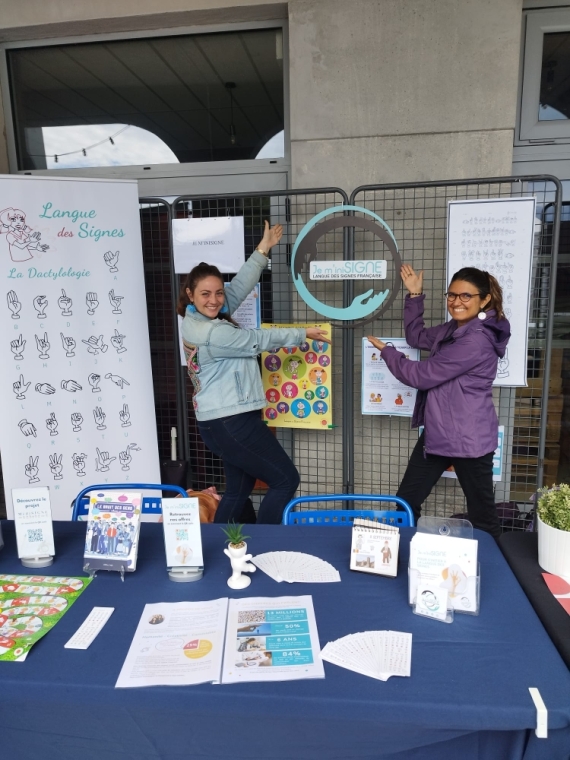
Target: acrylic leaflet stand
<point>443,526</point>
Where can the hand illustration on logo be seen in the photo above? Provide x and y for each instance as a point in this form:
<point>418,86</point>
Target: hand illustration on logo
<point>32,470</point>
<point>17,348</point>
<point>111,259</point>
<point>65,303</point>
<point>99,416</point>
<point>68,345</point>
<point>125,416</point>
<point>20,387</point>
<point>43,346</point>
<point>76,421</point>
<point>56,466</point>
<point>27,428</point>
<point>40,305</point>
<point>92,303</point>
<point>51,424</point>
<point>13,304</point>
<point>115,302</point>
<point>103,461</point>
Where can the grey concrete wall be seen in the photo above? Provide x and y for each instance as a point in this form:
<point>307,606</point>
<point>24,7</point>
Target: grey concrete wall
<point>402,90</point>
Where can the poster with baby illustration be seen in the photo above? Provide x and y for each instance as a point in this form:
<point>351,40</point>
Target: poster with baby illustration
<point>75,368</point>
<point>382,393</point>
<point>297,383</point>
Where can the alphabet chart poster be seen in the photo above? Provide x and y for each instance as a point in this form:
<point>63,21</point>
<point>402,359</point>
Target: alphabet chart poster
<point>298,384</point>
<point>75,370</point>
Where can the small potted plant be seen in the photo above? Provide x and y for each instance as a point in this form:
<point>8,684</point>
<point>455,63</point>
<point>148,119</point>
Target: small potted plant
<point>554,530</point>
<point>236,551</point>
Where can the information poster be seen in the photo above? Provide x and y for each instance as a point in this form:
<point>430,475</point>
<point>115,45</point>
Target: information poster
<point>34,526</point>
<point>217,240</point>
<point>498,456</point>
<point>497,236</point>
<point>298,383</point>
<point>382,393</point>
<point>30,606</point>
<point>75,368</point>
<point>182,535</point>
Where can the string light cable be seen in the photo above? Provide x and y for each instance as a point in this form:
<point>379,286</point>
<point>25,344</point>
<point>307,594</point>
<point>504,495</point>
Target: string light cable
<point>57,156</point>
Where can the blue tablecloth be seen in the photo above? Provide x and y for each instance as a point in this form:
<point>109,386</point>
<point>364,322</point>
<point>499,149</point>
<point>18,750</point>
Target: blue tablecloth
<point>467,696</point>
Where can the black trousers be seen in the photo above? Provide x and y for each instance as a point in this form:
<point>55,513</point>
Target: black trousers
<point>475,478</point>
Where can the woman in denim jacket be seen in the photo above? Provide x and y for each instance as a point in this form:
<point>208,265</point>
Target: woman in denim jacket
<point>454,402</point>
<point>228,392</point>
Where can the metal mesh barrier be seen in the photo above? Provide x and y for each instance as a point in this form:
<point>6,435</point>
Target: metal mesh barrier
<point>417,215</point>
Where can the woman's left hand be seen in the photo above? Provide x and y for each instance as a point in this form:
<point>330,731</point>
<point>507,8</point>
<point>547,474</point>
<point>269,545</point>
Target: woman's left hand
<point>376,343</point>
<point>271,236</point>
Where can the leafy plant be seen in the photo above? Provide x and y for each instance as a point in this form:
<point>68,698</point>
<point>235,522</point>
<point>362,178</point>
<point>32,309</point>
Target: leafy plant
<point>234,534</point>
<point>554,506</point>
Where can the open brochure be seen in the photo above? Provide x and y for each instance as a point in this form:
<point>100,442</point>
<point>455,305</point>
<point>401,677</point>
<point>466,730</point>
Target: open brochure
<point>252,639</point>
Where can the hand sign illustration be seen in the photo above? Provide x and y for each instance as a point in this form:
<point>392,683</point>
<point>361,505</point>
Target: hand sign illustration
<point>94,382</point>
<point>99,416</point>
<point>45,389</point>
<point>125,416</point>
<point>65,303</point>
<point>117,379</point>
<point>112,259</point>
<point>43,346</point>
<point>103,461</point>
<point>56,466</point>
<point>17,348</point>
<point>40,305</point>
<point>27,428</point>
<point>76,421</point>
<point>71,386</point>
<point>95,345</point>
<point>117,341</point>
<point>32,470</point>
<point>51,424</point>
<point>79,463</point>
<point>92,303</point>
<point>68,345</point>
<point>14,305</point>
<point>20,387</point>
<point>115,302</point>
<point>125,457</point>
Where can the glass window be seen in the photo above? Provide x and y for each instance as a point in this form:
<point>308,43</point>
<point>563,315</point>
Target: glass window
<point>555,77</point>
<point>181,99</point>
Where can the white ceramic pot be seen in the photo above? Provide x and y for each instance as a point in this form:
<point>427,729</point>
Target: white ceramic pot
<point>554,550</point>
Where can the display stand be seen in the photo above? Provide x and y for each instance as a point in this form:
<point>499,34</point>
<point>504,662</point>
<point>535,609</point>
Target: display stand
<point>36,561</point>
<point>447,527</point>
<point>185,574</point>
<point>92,571</point>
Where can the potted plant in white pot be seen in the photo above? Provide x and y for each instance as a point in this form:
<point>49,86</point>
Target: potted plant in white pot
<point>554,530</point>
<point>236,551</point>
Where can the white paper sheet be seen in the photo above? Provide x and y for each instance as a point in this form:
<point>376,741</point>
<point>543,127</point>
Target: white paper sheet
<point>176,644</point>
<point>376,654</point>
<point>296,567</point>
<point>216,240</point>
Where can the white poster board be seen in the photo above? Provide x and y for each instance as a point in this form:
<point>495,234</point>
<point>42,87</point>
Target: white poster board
<point>497,236</point>
<point>217,240</point>
<point>498,458</point>
<point>75,366</point>
<point>382,393</point>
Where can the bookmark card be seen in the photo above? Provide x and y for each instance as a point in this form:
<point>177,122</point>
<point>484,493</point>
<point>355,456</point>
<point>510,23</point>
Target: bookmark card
<point>376,654</point>
<point>182,534</point>
<point>34,526</point>
<point>296,567</point>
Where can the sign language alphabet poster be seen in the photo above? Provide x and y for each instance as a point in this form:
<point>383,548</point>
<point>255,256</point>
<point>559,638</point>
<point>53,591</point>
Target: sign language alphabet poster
<point>298,384</point>
<point>75,369</point>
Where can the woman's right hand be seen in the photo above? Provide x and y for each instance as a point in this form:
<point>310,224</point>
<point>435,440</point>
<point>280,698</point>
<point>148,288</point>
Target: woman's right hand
<point>413,282</point>
<point>315,333</point>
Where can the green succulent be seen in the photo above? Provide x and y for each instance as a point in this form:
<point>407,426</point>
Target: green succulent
<point>554,506</point>
<point>234,534</point>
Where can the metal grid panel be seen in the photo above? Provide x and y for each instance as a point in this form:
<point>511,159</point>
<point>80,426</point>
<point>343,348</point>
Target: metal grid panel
<point>317,454</point>
<point>417,215</point>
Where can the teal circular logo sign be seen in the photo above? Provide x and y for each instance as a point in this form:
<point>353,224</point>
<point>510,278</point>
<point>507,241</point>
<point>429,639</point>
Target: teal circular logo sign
<point>364,306</point>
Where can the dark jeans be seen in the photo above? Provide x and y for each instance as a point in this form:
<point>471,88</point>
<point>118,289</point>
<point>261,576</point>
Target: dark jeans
<point>249,451</point>
<point>475,478</point>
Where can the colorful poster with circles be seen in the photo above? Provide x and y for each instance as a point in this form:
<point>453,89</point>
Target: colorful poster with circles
<point>30,606</point>
<point>298,384</point>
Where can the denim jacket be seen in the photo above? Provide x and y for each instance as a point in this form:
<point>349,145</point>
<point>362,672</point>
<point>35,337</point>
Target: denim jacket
<point>222,359</point>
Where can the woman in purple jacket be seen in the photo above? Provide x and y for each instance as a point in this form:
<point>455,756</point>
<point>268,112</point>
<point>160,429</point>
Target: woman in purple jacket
<point>454,402</point>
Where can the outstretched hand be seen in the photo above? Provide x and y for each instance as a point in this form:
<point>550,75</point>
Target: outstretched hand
<point>413,282</point>
<point>376,343</point>
<point>271,236</point>
<point>315,333</point>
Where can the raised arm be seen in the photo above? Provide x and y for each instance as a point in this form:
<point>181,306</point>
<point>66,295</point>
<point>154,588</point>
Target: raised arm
<point>417,335</point>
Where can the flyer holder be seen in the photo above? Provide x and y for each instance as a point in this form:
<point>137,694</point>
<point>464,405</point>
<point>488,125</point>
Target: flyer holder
<point>185,574</point>
<point>432,601</point>
<point>183,539</point>
<point>36,561</point>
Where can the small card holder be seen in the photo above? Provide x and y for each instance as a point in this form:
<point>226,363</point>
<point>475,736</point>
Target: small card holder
<point>426,597</point>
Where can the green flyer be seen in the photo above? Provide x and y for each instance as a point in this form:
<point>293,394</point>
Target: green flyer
<point>30,606</point>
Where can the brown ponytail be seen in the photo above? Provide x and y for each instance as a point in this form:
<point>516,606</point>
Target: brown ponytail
<point>486,284</point>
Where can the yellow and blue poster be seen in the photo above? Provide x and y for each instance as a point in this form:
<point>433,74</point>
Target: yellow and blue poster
<point>297,383</point>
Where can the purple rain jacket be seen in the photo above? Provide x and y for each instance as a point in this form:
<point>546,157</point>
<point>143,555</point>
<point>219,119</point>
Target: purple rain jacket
<point>455,401</point>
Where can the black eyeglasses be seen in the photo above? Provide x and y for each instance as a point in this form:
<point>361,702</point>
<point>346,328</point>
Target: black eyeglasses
<point>463,297</point>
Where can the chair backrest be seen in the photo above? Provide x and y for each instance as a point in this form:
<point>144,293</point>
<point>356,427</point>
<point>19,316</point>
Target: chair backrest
<point>345,517</point>
<point>151,505</point>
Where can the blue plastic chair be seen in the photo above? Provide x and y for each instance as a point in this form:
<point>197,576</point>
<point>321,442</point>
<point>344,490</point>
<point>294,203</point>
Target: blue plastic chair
<point>151,504</point>
<point>340,517</point>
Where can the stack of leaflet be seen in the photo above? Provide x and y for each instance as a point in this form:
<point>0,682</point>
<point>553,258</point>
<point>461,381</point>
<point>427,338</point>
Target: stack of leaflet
<point>296,567</point>
<point>377,654</point>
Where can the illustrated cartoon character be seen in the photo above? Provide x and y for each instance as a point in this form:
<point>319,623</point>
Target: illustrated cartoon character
<point>378,398</point>
<point>294,368</point>
<point>20,242</point>
<point>300,409</point>
<point>374,357</point>
<point>274,380</point>
<point>322,392</point>
<point>320,408</point>
<point>274,364</point>
<point>288,390</point>
<point>386,553</point>
<point>399,400</point>
<point>319,376</point>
